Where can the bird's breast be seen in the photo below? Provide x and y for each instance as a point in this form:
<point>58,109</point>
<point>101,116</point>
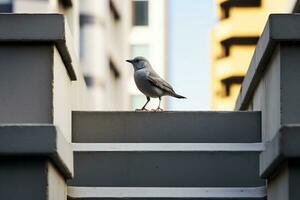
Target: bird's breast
<point>145,86</point>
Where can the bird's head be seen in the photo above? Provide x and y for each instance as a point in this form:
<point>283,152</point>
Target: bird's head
<point>139,63</point>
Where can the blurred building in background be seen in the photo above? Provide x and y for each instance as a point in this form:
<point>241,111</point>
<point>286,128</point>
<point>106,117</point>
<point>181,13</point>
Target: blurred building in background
<point>233,42</point>
<point>148,38</point>
<point>104,28</point>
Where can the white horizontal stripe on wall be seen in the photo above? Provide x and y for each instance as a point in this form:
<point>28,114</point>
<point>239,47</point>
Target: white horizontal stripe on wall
<point>164,192</point>
<point>90,147</point>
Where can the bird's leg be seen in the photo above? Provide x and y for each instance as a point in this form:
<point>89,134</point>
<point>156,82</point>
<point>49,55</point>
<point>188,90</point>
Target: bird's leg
<point>144,107</point>
<point>159,108</point>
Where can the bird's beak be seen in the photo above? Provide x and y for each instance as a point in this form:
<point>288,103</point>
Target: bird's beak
<point>130,61</point>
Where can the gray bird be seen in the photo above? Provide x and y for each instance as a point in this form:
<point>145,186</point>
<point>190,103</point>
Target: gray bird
<point>150,83</point>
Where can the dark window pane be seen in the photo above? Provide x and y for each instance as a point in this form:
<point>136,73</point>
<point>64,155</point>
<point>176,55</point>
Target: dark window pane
<point>230,81</point>
<point>66,3</point>
<point>5,7</point>
<point>228,5</point>
<point>140,13</point>
<point>81,42</point>
<point>88,80</point>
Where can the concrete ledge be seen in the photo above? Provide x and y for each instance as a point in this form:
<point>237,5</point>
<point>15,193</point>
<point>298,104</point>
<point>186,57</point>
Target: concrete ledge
<point>36,141</point>
<point>279,28</point>
<point>166,127</point>
<point>284,146</point>
<point>39,28</point>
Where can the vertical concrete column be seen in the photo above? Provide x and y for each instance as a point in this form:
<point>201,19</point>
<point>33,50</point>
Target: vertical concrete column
<point>36,74</point>
<point>271,86</point>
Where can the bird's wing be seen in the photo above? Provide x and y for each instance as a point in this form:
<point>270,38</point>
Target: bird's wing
<point>159,82</point>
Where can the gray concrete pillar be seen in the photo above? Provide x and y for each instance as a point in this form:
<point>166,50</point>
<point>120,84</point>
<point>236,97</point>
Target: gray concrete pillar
<point>36,74</point>
<point>271,86</point>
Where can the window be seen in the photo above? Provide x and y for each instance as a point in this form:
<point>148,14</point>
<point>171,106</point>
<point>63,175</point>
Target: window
<point>66,3</point>
<point>88,80</point>
<point>231,81</point>
<point>5,6</point>
<point>81,42</point>
<point>228,5</point>
<point>140,13</point>
<point>229,42</point>
<point>140,50</point>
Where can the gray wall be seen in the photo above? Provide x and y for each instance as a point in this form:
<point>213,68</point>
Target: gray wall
<point>23,179</point>
<point>266,98</point>
<point>277,93</point>
<point>290,83</point>
<point>26,83</point>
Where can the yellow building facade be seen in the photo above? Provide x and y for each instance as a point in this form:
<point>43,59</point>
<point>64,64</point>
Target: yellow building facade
<point>233,42</point>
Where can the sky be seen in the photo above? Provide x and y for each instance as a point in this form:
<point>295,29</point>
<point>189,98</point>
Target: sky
<point>190,23</point>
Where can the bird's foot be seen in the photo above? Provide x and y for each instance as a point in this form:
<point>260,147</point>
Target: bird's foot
<point>141,110</point>
<point>158,109</point>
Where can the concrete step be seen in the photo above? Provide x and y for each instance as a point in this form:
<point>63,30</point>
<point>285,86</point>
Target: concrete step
<point>166,169</point>
<point>168,155</point>
<point>166,127</point>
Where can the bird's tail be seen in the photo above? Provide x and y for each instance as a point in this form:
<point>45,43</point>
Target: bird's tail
<point>178,96</point>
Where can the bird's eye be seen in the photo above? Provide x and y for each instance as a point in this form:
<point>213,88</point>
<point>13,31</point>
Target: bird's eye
<point>136,61</point>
